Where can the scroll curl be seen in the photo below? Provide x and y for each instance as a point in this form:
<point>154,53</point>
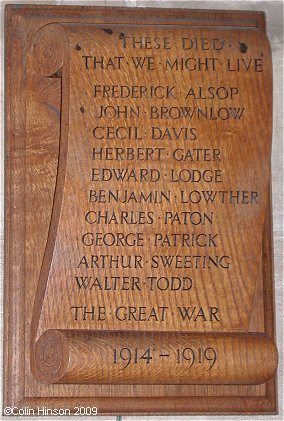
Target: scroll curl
<point>90,357</point>
<point>49,49</point>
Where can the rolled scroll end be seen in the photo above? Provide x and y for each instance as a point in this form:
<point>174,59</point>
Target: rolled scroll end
<point>50,49</point>
<point>51,357</point>
<point>131,358</point>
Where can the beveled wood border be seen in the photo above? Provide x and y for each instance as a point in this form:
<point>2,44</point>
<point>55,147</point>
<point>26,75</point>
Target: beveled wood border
<point>14,341</point>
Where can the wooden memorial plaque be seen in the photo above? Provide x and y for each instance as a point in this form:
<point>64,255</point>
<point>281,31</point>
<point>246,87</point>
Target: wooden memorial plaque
<point>138,211</point>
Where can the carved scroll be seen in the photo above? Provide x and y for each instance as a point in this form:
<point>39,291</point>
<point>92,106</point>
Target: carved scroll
<point>108,357</point>
<point>189,304</point>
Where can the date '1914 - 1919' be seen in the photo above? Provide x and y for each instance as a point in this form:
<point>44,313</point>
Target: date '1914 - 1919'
<point>190,356</point>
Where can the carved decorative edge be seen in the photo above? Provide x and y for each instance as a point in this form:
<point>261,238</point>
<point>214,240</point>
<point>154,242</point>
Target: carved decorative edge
<point>14,323</point>
<point>191,405</point>
<point>153,15</point>
<point>14,291</point>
